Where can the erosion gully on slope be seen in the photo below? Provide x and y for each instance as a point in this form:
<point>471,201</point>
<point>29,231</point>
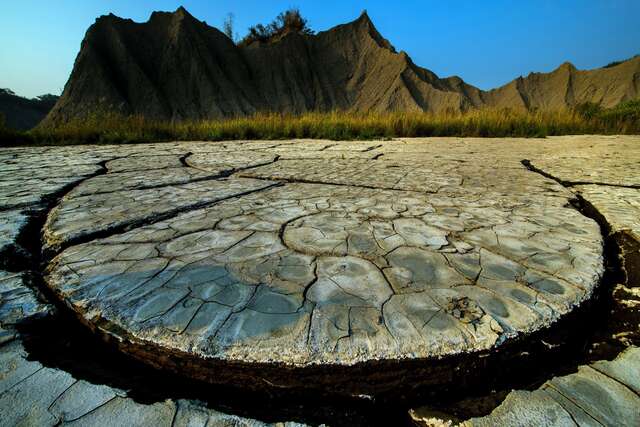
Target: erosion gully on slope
<point>61,341</point>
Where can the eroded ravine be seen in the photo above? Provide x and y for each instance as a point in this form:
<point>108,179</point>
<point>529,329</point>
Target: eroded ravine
<point>551,352</point>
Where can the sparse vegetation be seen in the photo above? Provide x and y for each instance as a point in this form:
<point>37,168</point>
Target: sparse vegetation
<point>625,116</point>
<point>588,110</point>
<point>228,27</point>
<point>614,63</point>
<point>290,21</point>
<point>111,128</point>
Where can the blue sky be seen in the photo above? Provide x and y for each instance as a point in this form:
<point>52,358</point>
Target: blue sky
<point>487,43</point>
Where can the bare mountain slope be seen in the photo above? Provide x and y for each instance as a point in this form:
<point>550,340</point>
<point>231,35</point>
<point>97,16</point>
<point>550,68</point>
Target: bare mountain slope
<point>567,86</point>
<point>175,67</point>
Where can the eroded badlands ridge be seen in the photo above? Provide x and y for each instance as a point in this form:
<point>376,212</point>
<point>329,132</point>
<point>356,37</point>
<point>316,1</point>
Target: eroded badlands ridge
<point>175,67</point>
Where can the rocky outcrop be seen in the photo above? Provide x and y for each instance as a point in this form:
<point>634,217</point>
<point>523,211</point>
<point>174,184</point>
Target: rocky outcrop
<point>175,67</point>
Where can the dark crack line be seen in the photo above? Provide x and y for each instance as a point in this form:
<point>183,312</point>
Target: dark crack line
<point>290,221</point>
<point>148,280</point>
<point>167,310</point>
<point>604,184</point>
<point>26,167</point>
<point>26,251</point>
<point>40,369</point>
<point>615,259</point>
<point>97,408</point>
<point>149,220</point>
<point>237,309</point>
<point>527,164</point>
<point>554,388</point>
<point>304,299</point>
<point>186,326</point>
<point>183,159</point>
<point>336,184</point>
<point>229,172</point>
<point>176,409</point>
<point>537,269</point>
<point>213,177</point>
<point>62,394</point>
<point>373,147</point>
<point>632,391</point>
<point>575,422</point>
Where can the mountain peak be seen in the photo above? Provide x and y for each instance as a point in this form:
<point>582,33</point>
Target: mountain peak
<point>109,18</point>
<point>364,23</point>
<point>182,12</point>
<point>567,66</point>
<point>364,16</point>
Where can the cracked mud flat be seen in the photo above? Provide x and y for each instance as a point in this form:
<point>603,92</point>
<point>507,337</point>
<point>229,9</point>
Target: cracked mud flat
<point>354,268</point>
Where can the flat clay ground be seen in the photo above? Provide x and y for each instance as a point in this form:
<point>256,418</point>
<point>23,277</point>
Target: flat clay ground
<point>272,264</point>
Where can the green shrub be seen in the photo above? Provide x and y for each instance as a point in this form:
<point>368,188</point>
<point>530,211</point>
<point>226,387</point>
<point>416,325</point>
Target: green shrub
<point>624,118</point>
<point>588,110</point>
<point>290,21</point>
<point>614,63</point>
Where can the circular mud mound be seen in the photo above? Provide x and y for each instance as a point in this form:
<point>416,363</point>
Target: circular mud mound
<point>308,276</point>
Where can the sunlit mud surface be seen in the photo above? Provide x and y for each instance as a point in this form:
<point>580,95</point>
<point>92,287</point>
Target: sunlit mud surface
<point>344,283</point>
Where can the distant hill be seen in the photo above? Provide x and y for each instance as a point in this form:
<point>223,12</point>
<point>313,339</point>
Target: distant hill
<point>567,86</point>
<point>176,67</point>
<point>24,113</point>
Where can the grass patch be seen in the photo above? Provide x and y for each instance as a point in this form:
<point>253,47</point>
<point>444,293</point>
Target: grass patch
<point>111,128</point>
